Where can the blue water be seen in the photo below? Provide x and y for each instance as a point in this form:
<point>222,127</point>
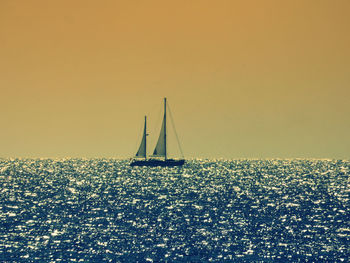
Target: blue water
<point>102,210</point>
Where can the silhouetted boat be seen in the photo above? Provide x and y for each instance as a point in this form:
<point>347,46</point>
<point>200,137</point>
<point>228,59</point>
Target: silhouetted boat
<point>159,157</point>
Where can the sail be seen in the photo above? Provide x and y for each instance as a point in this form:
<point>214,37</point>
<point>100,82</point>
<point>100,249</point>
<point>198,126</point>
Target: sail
<point>160,149</point>
<point>142,149</point>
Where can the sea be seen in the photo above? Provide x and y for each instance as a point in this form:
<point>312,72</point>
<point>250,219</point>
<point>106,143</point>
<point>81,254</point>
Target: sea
<point>103,210</point>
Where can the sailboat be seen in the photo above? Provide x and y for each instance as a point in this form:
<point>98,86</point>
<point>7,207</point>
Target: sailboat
<point>160,156</point>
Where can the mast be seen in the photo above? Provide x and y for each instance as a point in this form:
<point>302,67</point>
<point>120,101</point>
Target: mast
<point>165,128</point>
<point>145,136</point>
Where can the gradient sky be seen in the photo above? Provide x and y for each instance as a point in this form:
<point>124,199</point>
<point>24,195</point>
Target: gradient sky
<point>244,79</point>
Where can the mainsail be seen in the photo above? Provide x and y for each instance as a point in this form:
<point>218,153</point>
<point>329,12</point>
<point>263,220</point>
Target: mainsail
<point>142,149</point>
<point>160,150</point>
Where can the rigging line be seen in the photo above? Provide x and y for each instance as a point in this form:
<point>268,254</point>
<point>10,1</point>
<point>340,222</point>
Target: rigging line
<point>177,137</point>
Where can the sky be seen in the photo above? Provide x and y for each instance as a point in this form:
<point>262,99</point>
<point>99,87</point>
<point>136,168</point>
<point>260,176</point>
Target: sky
<point>244,79</point>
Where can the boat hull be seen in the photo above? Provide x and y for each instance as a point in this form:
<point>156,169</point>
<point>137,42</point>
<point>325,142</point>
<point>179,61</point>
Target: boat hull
<point>154,163</point>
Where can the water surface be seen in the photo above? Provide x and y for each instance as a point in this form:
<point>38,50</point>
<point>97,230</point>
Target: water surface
<point>103,210</point>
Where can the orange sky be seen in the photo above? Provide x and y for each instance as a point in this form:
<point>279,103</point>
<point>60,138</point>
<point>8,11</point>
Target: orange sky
<point>244,79</point>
